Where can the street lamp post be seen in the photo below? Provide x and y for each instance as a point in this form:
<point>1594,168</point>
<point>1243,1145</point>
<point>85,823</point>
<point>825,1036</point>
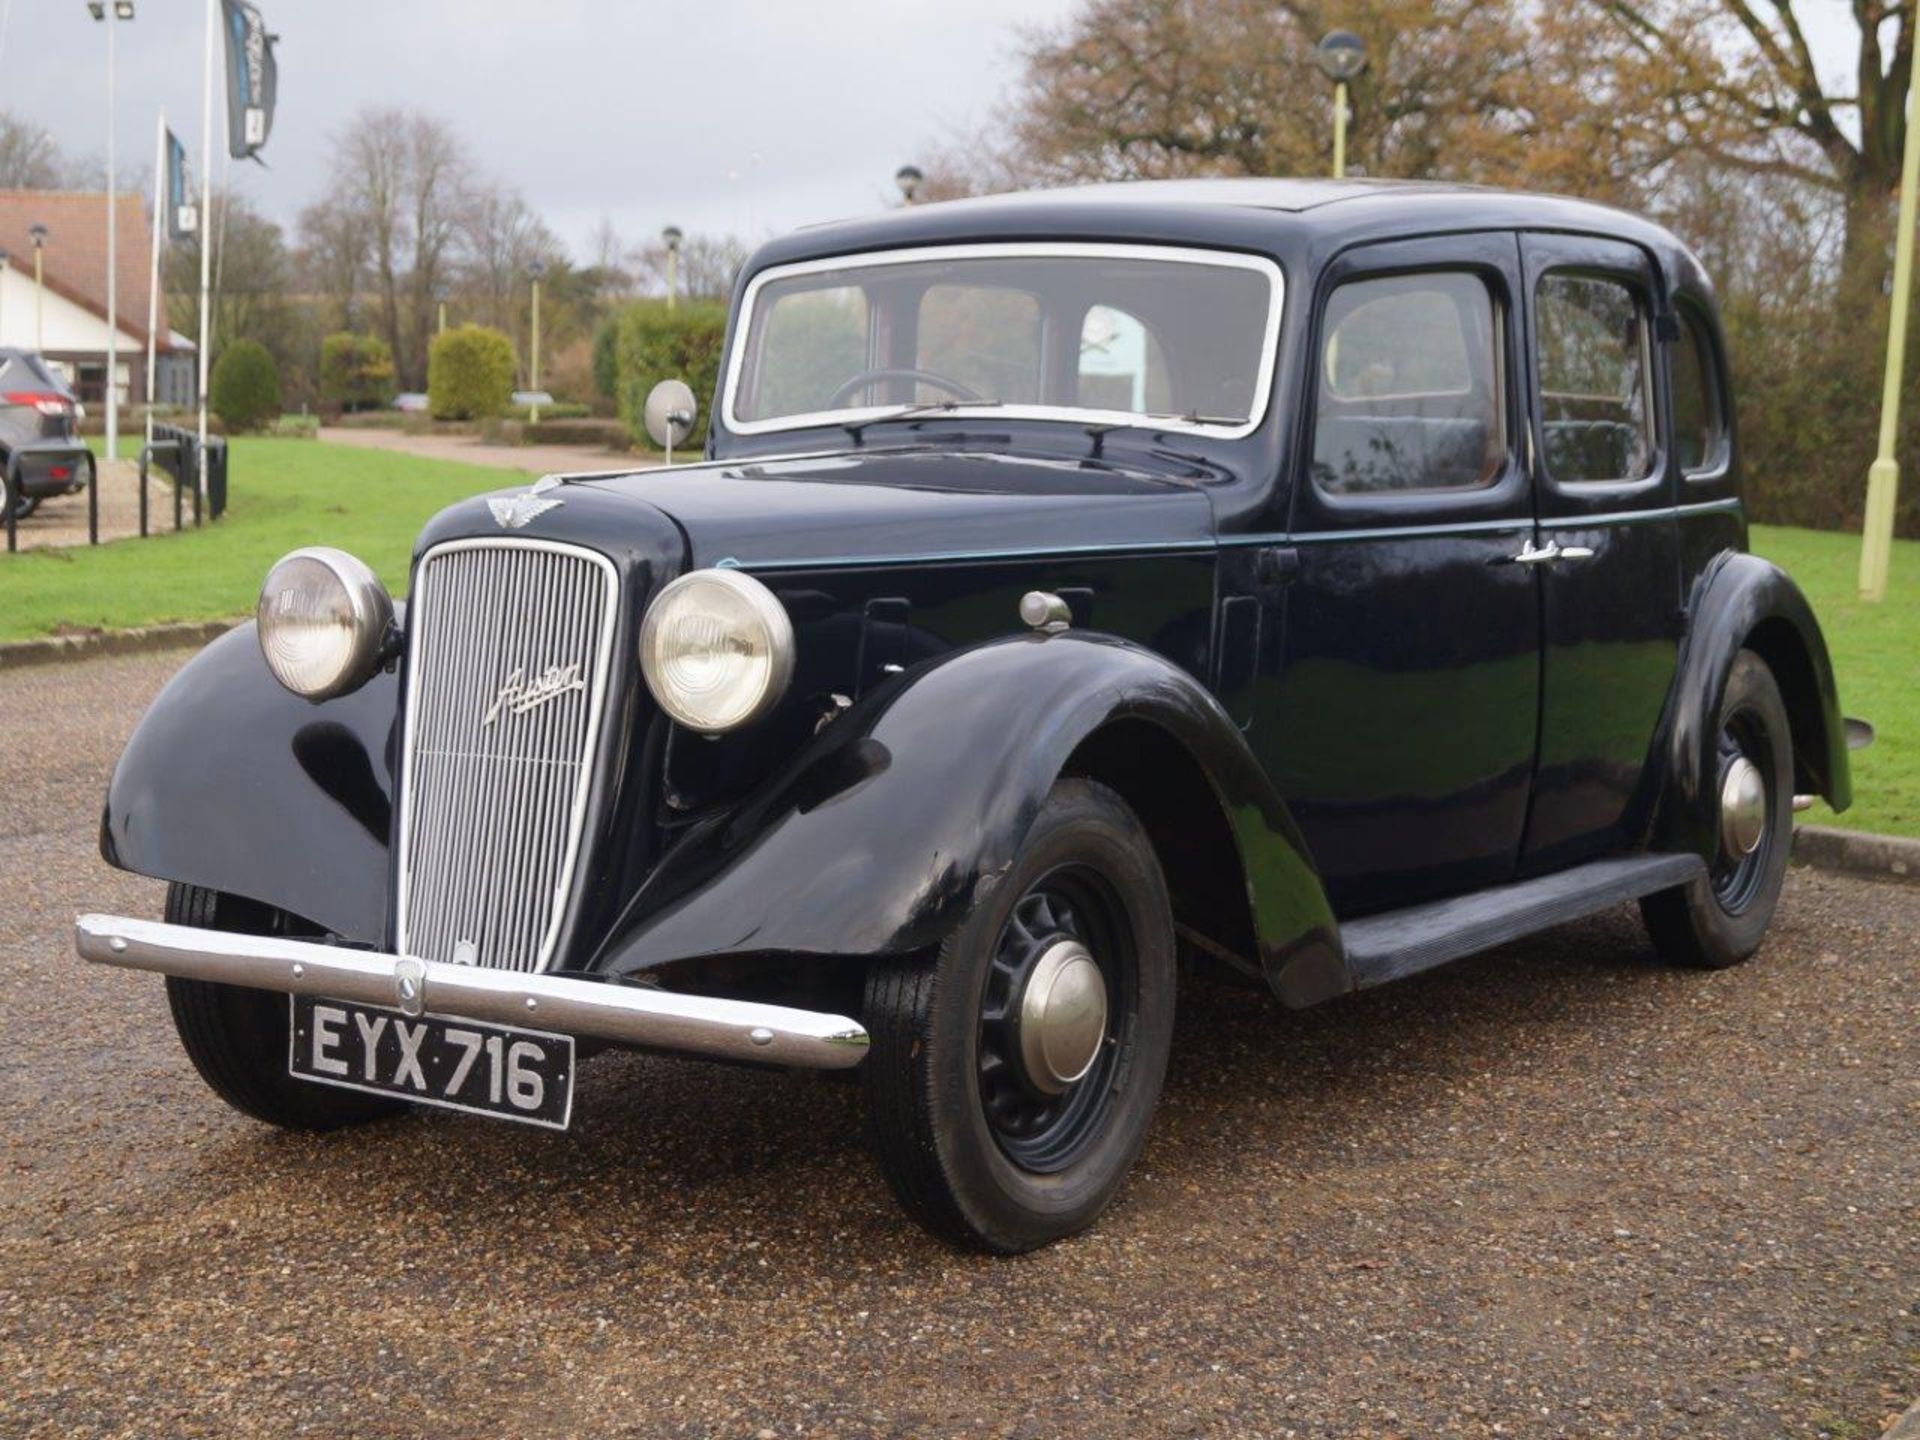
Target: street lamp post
<point>112,14</point>
<point>39,235</point>
<point>1341,56</point>
<point>908,178</point>
<point>537,269</point>
<point>672,236</point>
<point>1883,478</point>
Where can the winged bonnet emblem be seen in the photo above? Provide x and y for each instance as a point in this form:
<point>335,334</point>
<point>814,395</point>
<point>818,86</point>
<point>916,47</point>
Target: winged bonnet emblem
<point>515,511</point>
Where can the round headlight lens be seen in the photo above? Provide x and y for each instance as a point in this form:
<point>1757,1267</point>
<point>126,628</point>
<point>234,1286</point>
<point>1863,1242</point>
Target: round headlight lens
<point>323,619</point>
<point>716,648</point>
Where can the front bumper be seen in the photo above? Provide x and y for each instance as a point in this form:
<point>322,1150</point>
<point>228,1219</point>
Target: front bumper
<point>628,1015</point>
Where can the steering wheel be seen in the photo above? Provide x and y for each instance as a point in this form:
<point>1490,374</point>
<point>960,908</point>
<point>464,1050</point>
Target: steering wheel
<point>857,383</point>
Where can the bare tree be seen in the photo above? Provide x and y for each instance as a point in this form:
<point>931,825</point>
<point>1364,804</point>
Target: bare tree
<point>401,179</point>
<point>503,237</point>
<point>30,158</point>
<point>707,265</point>
<point>332,258</point>
<point>436,188</point>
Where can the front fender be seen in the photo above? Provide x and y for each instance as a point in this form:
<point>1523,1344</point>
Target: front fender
<point>1744,602</point>
<point>895,821</point>
<point>232,782</point>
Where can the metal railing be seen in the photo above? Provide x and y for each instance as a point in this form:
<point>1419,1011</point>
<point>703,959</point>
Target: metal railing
<point>10,491</point>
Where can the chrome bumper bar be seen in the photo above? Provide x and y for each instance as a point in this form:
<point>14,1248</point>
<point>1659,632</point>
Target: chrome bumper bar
<point>694,1024</point>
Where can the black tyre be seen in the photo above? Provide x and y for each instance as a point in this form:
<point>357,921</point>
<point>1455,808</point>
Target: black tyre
<point>237,1037</point>
<point>25,506</point>
<point>1721,918</point>
<point>1007,1102</point>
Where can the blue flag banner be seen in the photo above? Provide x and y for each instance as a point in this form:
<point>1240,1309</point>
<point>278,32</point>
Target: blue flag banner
<point>183,216</point>
<point>253,79</point>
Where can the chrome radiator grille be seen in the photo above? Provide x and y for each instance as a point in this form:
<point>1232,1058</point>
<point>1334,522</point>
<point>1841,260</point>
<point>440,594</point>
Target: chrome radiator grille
<point>509,644</point>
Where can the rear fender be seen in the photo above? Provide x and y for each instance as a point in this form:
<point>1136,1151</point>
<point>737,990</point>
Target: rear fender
<point>910,807</point>
<point>234,783</point>
<point>1742,602</point>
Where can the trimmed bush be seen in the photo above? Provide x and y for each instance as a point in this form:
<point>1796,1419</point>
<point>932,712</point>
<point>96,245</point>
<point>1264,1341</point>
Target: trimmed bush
<point>558,410</point>
<point>356,372</point>
<point>657,344</point>
<point>469,374</point>
<point>245,389</point>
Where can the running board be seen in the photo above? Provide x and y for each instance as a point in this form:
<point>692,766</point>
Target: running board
<point>1404,942</point>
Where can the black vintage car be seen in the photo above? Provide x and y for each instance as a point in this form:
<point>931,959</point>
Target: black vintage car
<point>1305,582</point>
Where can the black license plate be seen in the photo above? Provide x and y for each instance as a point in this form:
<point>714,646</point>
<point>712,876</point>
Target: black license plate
<point>524,1075</point>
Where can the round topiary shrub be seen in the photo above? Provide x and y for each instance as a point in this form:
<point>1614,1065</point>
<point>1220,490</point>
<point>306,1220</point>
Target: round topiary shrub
<point>469,374</point>
<point>356,372</point>
<point>245,390</point>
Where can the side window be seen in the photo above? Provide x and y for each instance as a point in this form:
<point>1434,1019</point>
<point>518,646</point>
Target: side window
<point>1699,423</point>
<point>1412,387</point>
<point>1596,421</point>
<point>1122,365</point>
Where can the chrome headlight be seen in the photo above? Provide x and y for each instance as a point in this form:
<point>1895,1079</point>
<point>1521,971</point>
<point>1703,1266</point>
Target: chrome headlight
<point>324,618</point>
<point>716,648</point>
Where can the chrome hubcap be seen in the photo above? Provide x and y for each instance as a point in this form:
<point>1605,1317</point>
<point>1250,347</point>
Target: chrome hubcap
<point>1063,1017</point>
<point>1743,807</point>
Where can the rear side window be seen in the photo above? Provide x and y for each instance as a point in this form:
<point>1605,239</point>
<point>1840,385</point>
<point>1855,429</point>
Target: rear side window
<point>1699,422</point>
<point>1411,387</point>
<point>1596,419</point>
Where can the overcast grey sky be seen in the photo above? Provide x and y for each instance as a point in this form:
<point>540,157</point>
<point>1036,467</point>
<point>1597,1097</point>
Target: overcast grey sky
<point>750,116</point>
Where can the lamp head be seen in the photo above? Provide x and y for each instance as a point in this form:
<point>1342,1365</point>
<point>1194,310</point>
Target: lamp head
<point>908,178</point>
<point>1341,55</point>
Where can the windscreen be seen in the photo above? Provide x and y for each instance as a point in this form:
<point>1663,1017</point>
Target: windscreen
<point>1119,335</point>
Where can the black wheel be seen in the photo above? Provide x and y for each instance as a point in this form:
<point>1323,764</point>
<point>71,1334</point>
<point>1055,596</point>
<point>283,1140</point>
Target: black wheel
<point>1012,1074</point>
<point>1720,918</point>
<point>237,1037</point>
<point>25,506</point>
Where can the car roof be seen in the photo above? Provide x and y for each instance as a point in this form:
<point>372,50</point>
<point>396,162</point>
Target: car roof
<point>1274,216</point>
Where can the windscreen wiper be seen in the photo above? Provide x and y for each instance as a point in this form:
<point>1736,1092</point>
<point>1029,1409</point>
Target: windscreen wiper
<point>1194,417</point>
<point>913,411</point>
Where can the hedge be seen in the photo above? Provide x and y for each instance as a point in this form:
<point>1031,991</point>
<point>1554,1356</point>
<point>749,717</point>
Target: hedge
<point>606,357</point>
<point>469,374</point>
<point>245,389</point>
<point>356,372</point>
<point>657,344</point>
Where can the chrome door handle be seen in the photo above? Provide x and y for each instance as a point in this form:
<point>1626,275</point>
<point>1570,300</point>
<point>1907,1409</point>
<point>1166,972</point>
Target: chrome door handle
<point>1551,551</point>
<point>1530,556</point>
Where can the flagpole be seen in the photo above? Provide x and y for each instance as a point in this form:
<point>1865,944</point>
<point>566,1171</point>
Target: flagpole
<point>113,255</point>
<point>206,255</point>
<point>153,272</point>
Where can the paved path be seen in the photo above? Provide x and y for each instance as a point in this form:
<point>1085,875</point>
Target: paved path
<point>533,459</point>
<point>1555,1191</point>
<point>62,519</point>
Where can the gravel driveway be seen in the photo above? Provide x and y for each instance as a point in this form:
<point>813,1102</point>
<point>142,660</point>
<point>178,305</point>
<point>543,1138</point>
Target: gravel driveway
<point>1554,1191</point>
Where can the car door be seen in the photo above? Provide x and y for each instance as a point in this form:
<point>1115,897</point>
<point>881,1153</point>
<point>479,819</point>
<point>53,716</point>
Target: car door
<point>1610,566</point>
<point>1402,721</point>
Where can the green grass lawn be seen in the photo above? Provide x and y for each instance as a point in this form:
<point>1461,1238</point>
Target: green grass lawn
<point>283,494</point>
<point>1876,659</point>
<point>288,493</point>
